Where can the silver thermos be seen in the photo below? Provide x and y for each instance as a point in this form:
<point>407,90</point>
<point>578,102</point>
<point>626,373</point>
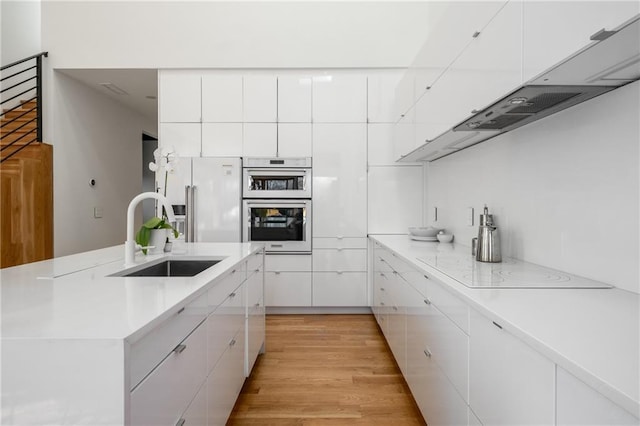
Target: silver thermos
<point>488,242</point>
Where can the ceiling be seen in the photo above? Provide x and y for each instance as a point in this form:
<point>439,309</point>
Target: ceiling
<point>140,85</point>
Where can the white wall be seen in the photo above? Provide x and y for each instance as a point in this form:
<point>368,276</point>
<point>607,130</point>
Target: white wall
<point>232,34</point>
<point>19,30</point>
<point>93,137</point>
<point>564,191</point>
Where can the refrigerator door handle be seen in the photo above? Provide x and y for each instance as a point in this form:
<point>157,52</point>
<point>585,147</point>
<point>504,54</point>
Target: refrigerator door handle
<point>187,213</point>
<point>194,200</point>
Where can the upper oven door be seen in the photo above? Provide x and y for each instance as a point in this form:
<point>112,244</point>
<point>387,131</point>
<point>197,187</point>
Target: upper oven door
<point>283,225</point>
<point>276,183</point>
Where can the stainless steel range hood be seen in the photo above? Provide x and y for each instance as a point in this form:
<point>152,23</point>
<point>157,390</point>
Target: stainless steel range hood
<point>612,61</point>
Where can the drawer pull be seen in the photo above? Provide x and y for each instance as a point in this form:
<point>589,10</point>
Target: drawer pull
<point>382,289</point>
<point>232,295</point>
<point>232,342</point>
<point>257,304</point>
<point>277,272</point>
<point>233,272</point>
<point>427,301</point>
<point>180,348</point>
<point>395,308</point>
<point>181,310</point>
<point>381,303</point>
<point>497,325</point>
<point>257,270</point>
<point>427,353</point>
<point>339,272</point>
<point>382,275</point>
<point>181,422</point>
<point>395,272</point>
<point>427,277</point>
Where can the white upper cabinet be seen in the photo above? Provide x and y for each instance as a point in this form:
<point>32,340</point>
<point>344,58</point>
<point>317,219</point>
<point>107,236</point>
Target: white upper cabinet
<point>260,140</point>
<point>340,98</point>
<point>553,30</point>
<point>183,137</point>
<point>294,140</point>
<point>340,180</point>
<point>221,98</point>
<point>294,99</point>
<point>222,140</point>
<point>179,96</point>
<point>380,97</point>
<point>260,95</point>
<point>454,24</point>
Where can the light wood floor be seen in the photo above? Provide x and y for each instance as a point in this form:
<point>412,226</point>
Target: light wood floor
<point>325,370</point>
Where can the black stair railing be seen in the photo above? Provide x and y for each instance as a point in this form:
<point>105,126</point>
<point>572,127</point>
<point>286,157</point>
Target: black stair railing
<point>21,82</point>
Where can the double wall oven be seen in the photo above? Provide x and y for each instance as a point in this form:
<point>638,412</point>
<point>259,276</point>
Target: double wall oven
<point>277,203</point>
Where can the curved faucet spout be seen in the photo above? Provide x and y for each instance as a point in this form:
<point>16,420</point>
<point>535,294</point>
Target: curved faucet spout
<point>130,244</point>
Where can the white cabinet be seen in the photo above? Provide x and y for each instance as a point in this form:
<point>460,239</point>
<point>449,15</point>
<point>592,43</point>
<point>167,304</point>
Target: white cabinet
<point>196,414</point>
<point>554,30</point>
<point>288,280</point>
<point>380,146</point>
<point>578,404</point>
<point>184,137</point>
<point>260,104</point>
<point>294,140</point>
<point>390,188</point>
<point>260,140</point>
<point>380,96</point>
<point>339,180</point>
<point>255,318</point>
<point>179,95</point>
<point>221,98</point>
<point>222,140</point>
<point>339,260</point>
<point>347,289</point>
<point>340,98</point>
<point>294,99</point>
<point>510,383</point>
<point>166,392</point>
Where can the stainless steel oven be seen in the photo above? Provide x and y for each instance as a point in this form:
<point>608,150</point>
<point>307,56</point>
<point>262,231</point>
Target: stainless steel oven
<point>283,225</point>
<point>276,178</point>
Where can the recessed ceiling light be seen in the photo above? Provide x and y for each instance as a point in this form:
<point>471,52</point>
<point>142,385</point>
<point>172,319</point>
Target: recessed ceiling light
<point>113,88</point>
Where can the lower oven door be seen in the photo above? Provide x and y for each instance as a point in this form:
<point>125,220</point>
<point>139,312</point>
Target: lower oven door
<point>283,225</point>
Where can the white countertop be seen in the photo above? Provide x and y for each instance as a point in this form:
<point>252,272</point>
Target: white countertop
<point>73,297</point>
<point>592,333</point>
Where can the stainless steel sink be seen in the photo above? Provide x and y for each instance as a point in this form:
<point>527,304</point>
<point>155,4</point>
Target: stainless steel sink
<point>169,268</point>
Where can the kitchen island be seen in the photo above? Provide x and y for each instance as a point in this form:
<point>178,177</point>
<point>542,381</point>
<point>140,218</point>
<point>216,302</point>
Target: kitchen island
<point>473,353</point>
<point>80,346</point>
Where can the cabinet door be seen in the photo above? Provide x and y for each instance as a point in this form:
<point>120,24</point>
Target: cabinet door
<point>184,137</point>
<point>260,99</point>
<point>287,288</point>
<point>294,140</point>
<point>255,319</point>
<point>294,99</point>
<point>165,393</point>
<point>196,414</point>
<point>179,96</point>
<point>340,289</point>
<point>380,96</point>
<point>223,324</point>
<point>221,98</point>
<point>340,98</point>
<point>404,134</point>
<point>340,180</point>
<point>260,140</point>
<point>553,31</point>
<point>510,383</point>
<point>395,199</point>
<point>221,139</point>
<point>225,381</point>
<point>579,404</point>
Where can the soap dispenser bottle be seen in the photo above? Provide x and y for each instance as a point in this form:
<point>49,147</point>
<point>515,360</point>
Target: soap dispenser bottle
<point>488,245</point>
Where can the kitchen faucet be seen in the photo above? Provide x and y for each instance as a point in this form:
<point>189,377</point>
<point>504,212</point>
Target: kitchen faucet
<point>130,244</point>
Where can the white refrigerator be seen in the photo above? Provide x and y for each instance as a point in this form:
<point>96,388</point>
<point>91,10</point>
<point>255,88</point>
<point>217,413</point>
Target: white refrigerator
<point>206,195</point>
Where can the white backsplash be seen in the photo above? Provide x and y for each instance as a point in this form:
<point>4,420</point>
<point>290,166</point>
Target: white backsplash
<point>564,191</point>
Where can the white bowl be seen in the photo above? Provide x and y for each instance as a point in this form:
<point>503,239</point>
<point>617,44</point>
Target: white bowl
<point>445,238</point>
<point>424,232</point>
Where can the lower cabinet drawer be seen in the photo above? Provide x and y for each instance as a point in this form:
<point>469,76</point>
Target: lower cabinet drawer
<point>222,325</point>
<point>164,394</point>
<point>287,263</point>
<point>287,288</point>
<point>340,289</point>
<point>255,335</point>
<point>196,414</point>
<point>150,350</point>
<point>345,260</point>
<point>225,381</point>
<point>436,397</point>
